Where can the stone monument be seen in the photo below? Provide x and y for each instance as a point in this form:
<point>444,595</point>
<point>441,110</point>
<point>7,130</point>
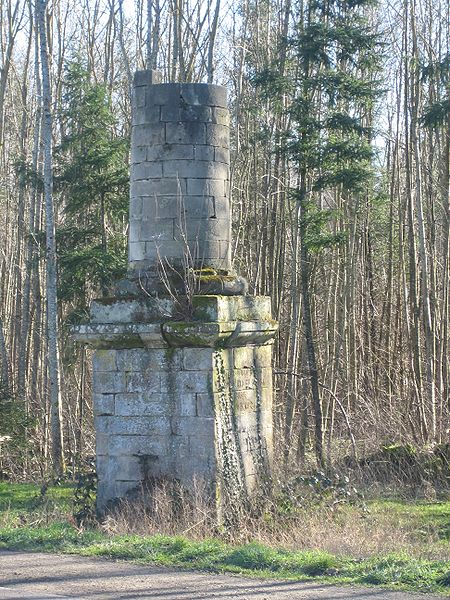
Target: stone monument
<point>182,376</point>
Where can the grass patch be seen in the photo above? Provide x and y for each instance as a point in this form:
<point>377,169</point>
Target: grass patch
<point>27,521</point>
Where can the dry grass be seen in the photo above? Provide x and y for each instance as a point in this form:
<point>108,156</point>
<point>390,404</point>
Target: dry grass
<point>342,529</point>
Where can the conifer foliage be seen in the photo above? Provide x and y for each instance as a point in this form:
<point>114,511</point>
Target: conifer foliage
<point>92,178</point>
<point>329,87</point>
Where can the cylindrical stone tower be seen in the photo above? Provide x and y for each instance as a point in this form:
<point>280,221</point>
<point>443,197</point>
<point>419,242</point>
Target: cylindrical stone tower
<point>179,203</point>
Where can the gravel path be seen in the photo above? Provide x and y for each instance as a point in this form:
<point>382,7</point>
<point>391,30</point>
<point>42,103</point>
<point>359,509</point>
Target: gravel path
<point>40,576</point>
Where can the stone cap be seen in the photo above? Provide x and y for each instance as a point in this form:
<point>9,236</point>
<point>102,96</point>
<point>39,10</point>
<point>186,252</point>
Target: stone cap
<point>227,334</point>
<point>190,94</point>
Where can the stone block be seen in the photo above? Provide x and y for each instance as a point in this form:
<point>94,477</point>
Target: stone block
<point>220,116</point>
<point>263,356</point>
<point>101,444</point>
<point>149,134</point>
<point>188,382</point>
<point>245,401</point>
<point>165,249</point>
<point>164,94</point>
<point>136,208</point>
<point>131,489</point>
<point>206,187</point>
<point>136,405</point>
<point>207,251</point>
<point>197,359</point>
<point>138,154</point>
<point>203,94</point>
<point>145,361</point>
<point>170,152</point>
<point>158,229</point>
<point>104,360</point>
<point>108,382</point>
<point>139,383</point>
<point>136,251</point>
<point>263,377</point>
<point>231,308</point>
<point>103,404</point>
<point>134,229</point>
<point>203,230</point>
<point>195,169</point>
<point>155,445</point>
<point>168,186</point>
<point>222,155</point>
<point>106,492</point>
<point>206,404</point>
<point>243,358</point>
<point>202,427</point>
<point>146,115</point>
<point>202,446</point>
<point>185,133</point>
<point>142,425</point>
<point>130,310</point>
<point>146,170</point>
<point>266,399</point>
<point>186,406</point>
<point>204,152</point>
<point>103,424</point>
<point>120,468</point>
<point>146,77</point>
<point>180,208</point>
<point>138,98</point>
<point>243,379</point>
<point>219,207</point>
<point>217,135</point>
<point>202,114</point>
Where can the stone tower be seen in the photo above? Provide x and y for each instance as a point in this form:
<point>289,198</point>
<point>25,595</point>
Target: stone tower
<point>182,377</point>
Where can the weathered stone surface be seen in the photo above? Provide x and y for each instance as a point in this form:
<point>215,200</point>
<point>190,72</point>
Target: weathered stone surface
<point>197,359</point>
<point>147,135</point>
<point>205,404</point>
<point>156,445</point>
<point>149,382</point>
<point>203,94</point>
<point>130,310</point>
<point>108,382</point>
<point>139,404</point>
<point>146,77</point>
<point>206,187</point>
<point>185,133</point>
<point>103,404</point>
<point>194,168</point>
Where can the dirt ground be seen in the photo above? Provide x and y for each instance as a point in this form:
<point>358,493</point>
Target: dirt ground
<point>46,576</point>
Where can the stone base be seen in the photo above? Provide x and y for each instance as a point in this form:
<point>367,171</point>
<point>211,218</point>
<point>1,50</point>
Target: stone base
<point>182,400</point>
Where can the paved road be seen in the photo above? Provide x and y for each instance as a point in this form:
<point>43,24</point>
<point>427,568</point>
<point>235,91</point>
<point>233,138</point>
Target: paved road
<point>37,576</point>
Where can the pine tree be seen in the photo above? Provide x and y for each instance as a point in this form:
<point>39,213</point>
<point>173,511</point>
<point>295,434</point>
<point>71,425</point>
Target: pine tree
<point>92,178</point>
<point>329,91</point>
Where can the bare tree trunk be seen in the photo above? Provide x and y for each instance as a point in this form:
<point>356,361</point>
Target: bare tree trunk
<point>212,39</point>
<point>52,304</point>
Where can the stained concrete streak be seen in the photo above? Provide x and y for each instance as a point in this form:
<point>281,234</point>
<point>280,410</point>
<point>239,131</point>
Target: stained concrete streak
<point>48,576</point>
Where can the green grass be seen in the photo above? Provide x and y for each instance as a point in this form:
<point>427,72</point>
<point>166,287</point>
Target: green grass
<point>422,516</point>
<point>29,522</point>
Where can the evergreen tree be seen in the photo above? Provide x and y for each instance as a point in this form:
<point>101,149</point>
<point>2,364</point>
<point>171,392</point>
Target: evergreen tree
<point>92,177</point>
<point>329,89</point>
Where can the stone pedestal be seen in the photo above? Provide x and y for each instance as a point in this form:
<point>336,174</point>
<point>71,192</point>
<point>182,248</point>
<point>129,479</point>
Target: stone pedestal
<point>181,399</point>
<point>182,377</point>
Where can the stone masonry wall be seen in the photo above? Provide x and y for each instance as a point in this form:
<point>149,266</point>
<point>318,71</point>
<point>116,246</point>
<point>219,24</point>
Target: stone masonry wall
<point>179,203</point>
<point>182,413</point>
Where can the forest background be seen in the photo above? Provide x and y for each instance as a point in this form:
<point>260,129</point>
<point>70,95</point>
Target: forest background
<point>340,132</point>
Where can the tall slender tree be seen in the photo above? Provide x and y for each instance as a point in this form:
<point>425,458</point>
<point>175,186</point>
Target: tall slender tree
<point>50,250</point>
